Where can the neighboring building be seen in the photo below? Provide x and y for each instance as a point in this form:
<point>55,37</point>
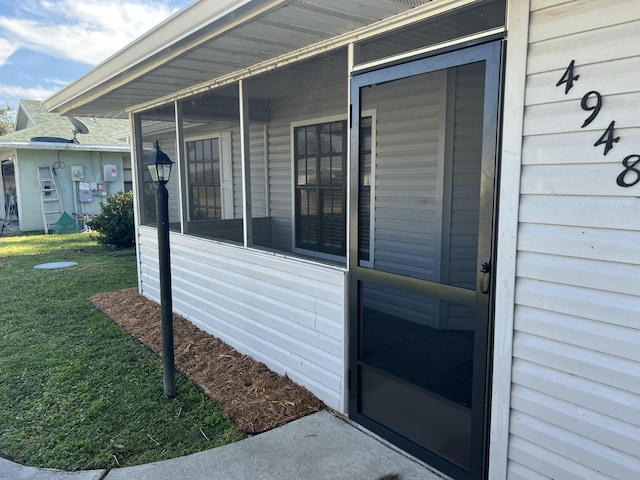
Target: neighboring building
<point>50,166</point>
<point>426,212</point>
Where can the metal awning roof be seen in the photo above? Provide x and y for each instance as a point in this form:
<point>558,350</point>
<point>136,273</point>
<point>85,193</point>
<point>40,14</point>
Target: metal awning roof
<point>212,39</point>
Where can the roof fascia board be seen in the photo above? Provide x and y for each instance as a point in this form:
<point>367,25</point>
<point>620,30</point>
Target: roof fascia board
<point>64,146</point>
<point>154,49</point>
<point>400,20</point>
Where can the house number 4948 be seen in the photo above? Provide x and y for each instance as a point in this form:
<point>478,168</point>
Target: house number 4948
<point>592,102</point>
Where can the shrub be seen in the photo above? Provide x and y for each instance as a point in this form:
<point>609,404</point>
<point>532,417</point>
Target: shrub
<point>115,224</point>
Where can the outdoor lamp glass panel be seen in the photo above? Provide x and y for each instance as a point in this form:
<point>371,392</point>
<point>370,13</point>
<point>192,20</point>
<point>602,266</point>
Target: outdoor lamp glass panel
<point>159,165</point>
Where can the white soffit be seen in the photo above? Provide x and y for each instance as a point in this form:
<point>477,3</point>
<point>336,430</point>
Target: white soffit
<point>186,51</point>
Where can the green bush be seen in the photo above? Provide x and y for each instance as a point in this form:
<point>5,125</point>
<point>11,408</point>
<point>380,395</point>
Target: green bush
<point>115,223</point>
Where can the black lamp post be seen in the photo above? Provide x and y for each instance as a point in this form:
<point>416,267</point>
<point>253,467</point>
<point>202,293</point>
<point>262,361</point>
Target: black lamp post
<point>159,165</point>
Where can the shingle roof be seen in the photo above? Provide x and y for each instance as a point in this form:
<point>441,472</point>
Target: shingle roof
<point>102,131</point>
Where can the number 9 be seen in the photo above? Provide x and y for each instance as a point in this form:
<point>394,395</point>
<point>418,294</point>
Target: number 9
<point>596,108</point>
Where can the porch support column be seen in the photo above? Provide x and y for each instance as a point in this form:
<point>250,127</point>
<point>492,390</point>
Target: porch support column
<point>352,219</point>
<point>351,285</point>
<point>245,146</point>
<point>509,194</point>
<point>182,167</point>
<point>137,161</point>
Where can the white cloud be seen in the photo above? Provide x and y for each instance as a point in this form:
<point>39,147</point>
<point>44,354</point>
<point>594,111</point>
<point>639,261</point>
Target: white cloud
<point>88,31</point>
<point>32,93</point>
<point>6,50</point>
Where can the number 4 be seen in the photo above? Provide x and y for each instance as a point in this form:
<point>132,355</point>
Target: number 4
<point>568,78</point>
<point>607,138</point>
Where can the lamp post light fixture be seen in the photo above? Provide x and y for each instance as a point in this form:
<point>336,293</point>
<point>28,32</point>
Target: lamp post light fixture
<point>159,165</point>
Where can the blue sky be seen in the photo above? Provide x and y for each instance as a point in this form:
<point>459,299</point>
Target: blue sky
<point>47,44</point>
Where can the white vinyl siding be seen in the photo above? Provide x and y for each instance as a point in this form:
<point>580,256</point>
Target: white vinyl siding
<point>227,179</point>
<point>280,186</point>
<point>409,163</point>
<point>576,394</point>
<point>462,228</point>
<point>259,191</point>
<point>288,314</point>
<point>407,199</point>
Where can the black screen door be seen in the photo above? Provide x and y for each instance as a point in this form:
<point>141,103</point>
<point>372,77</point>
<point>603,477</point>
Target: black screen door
<point>423,155</point>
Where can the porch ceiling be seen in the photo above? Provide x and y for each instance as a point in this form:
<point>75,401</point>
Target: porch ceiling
<point>186,51</point>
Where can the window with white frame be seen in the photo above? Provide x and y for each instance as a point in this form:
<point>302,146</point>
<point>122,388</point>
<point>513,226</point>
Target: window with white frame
<point>210,192</point>
<point>203,167</point>
<point>320,158</point>
<point>319,163</point>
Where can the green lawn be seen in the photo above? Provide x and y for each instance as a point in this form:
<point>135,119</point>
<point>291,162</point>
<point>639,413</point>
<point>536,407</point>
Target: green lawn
<point>76,390</point>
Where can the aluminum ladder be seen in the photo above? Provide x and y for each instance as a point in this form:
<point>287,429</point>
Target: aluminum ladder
<point>50,197</point>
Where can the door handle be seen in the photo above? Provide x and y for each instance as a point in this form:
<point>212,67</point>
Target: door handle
<point>485,275</point>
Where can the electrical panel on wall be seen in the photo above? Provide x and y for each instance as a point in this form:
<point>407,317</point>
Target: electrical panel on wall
<point>77,173</point>
<point>84,194</point>
<point>110,173</point>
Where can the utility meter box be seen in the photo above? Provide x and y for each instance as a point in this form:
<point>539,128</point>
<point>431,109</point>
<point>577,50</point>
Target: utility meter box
<point>110,173</point>
<point>77,173</point>
<point>84,194</point>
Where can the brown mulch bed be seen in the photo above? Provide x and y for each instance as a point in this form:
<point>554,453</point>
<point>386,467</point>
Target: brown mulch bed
<point>253,396</point>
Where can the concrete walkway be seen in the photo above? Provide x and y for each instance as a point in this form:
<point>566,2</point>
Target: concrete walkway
<point>14,471</point>
<point>320,446</point>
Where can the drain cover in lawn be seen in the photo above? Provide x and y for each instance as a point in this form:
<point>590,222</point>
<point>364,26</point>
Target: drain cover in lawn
<point>56,265</point>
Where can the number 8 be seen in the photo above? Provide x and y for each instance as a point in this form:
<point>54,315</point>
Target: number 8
<point>629,167</point>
